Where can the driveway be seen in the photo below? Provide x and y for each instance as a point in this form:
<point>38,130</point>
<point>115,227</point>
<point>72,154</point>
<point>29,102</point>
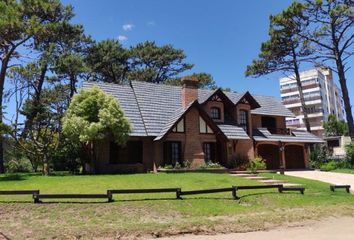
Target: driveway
<point>329,177</point>
<point>328,229</point>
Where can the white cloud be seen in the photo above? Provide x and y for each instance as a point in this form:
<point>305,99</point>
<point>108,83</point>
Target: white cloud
<point>128,27</point>
<point>151,23</point>
<point>122,38</point>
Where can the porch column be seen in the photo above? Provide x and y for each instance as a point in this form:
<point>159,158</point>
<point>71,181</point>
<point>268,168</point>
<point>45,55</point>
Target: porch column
<point>282,157</point>
<point>255,148</point>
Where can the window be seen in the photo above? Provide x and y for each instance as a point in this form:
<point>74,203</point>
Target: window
<point>242,120</point>
<point>203,126</point>
<point>209,150</point>
<point>131,153</point>
<point>172,153</point>
<point>270,124</point>
<point>179,128</point>
<point>215,113</point>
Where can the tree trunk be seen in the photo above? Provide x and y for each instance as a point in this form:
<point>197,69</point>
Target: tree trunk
<point>301,95</point>
<point>346,99</point>
<point>45,165</point>
<point>36,102</point>
<point>3,69</point>
<point>72,86</point>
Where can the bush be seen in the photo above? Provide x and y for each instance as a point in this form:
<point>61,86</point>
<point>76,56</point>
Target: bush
<point>330,166</point>
<point>257,164</point>
<point>239,162</point>
<point>18,165</point>
<point>319,156</point>
<point>211,165</point>
<point>350,155</point>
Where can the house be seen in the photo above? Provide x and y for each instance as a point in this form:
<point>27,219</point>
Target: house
<point>173,124</point>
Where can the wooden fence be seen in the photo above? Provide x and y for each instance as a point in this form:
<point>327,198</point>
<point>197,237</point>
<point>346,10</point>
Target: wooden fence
<point>37,196</point>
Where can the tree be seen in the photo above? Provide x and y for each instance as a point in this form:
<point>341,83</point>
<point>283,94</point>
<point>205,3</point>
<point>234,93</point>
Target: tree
<point>22,22</point>
<point>155,64</point>
<point>108,61</point>
<point>205,81</point>
<point>330,29</point>
<point>335,127</point>
<point>284,51</point>
<point>94,115</point>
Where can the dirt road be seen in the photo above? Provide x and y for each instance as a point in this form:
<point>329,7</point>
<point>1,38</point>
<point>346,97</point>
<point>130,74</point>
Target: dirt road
<point>328,229</point>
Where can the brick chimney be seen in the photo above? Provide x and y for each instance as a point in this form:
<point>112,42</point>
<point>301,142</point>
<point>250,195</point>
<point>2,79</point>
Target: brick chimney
<point>189,90</point>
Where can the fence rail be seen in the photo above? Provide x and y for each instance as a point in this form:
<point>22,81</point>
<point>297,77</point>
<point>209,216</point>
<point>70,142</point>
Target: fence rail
<point>178,191</point>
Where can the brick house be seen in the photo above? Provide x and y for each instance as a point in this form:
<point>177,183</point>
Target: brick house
<point>177,124</point>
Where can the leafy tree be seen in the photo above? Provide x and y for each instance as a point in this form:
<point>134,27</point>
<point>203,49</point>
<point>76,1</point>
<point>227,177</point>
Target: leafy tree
<point>25,23</point>
<point>330,29</point>
<point>94,115</point>
<point>156,64</point>
<point>108,61</point>
<point>335,127</point>
<point>205,80</point>
<point>284,51</point>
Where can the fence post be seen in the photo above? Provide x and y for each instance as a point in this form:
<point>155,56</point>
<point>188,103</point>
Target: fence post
<point>178,193</point>
<point>110,196</point>
<point>234,190</point>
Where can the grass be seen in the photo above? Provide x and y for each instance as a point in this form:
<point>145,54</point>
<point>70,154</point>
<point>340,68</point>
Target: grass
<point>344,170</point>
<point>159,214</point>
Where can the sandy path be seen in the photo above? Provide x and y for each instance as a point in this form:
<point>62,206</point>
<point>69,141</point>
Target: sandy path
<point>329,229</point>
<point>329,177</point>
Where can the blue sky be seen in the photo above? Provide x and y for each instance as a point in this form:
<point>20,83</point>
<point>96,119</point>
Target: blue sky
<point>220,37</point>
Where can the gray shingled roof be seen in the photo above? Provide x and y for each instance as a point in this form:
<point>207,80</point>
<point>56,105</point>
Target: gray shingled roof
<point>152,108</point>
<point>262,134</point>
<point>233,132</point>
<point>125,96</point>
<point>157,104</point>
<point>271,106</point>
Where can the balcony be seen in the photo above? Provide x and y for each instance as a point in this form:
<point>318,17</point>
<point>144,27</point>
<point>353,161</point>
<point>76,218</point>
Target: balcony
<point>295,89</point>
<point>307,99</point>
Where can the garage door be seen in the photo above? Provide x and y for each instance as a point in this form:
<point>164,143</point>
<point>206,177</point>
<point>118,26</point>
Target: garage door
<point>294,157</point>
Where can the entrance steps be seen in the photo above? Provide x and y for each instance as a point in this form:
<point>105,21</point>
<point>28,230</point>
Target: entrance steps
<point>267,180</point>
<point>257,178</point>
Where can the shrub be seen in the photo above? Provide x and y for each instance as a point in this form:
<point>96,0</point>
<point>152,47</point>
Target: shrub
<point>350,155</point>
<point>330,166</point>
<point>239,162</point>
<point>257,164</point>
<point>18,165</point>
<point>211,165</point>
<point>319,156</point>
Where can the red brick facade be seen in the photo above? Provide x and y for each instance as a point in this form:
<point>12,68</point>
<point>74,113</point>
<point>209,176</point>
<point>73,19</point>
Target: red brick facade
<point>192,140</point>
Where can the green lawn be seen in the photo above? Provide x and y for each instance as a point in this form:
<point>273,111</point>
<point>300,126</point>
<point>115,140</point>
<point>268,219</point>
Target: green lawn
<point>156,214</point>
<point>344,170</point>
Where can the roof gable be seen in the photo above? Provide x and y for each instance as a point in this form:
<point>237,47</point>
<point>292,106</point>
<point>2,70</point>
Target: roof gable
<point>180,113</point>
<point>247,98</point>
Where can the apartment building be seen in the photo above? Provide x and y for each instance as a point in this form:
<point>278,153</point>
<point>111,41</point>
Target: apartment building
<point>322,97</point>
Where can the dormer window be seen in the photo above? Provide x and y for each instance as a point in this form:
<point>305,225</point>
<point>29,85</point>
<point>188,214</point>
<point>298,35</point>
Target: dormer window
<point>215,113</point>
<point>179,127</point>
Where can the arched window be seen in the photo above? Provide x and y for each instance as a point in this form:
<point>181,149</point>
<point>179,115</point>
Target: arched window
<point>215,113</point>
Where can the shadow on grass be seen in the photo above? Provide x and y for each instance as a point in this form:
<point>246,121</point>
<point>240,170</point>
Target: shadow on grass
<point>263,193</point>
<point>12,177</point>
